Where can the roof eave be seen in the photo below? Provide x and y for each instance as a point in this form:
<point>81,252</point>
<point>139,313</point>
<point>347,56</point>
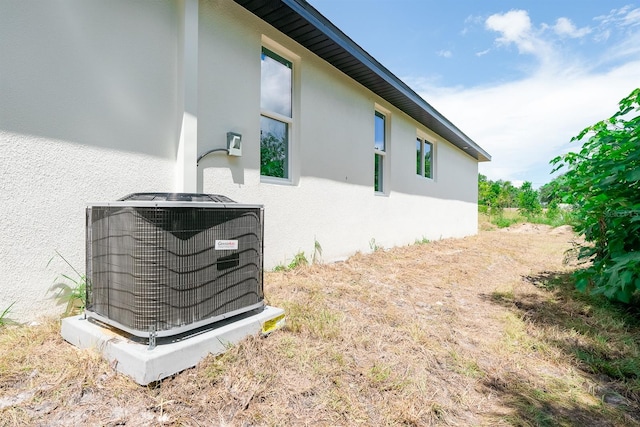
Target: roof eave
<point>315,32</point>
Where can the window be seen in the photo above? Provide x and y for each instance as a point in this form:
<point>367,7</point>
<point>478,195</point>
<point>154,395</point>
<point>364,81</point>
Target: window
<point>379,150</point>
<point>275,114</point>
<point>424,158</point>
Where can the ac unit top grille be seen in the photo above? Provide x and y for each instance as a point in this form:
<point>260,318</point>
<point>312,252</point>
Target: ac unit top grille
<point>177,197</point>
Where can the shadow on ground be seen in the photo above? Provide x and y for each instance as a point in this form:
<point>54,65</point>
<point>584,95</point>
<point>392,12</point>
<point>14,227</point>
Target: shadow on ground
<point>599,338</point>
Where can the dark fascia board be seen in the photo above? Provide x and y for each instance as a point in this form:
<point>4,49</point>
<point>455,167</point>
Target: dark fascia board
<point>303,23</point>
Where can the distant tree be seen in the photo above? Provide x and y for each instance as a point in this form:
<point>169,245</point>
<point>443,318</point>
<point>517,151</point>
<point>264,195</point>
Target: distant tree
<point>497,195</point>
<point>554,191</point>
<point>547,193</point>
<point>484,190</point>
<point>508,197</point>
<point>604,182</point>
<point>553,210</point>
<point>528,202</point>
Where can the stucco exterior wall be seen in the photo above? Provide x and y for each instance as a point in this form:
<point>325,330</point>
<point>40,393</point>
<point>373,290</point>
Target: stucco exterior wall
<point>93,101</point>
<point>87,112</point>
<point>330,198</point>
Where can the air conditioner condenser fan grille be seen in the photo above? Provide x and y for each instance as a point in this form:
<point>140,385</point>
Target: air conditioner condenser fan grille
<point>160,268</point>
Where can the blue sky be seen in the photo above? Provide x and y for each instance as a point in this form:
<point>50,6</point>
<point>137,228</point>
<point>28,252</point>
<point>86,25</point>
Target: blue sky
<point>518,77</point>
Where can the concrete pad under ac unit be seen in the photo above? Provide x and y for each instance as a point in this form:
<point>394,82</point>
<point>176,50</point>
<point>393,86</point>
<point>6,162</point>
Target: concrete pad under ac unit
<point>133,357</point>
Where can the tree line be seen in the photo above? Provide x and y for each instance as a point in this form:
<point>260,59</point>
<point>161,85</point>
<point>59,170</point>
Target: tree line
<point>495,196</point>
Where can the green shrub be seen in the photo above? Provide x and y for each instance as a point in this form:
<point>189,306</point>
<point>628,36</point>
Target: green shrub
<point>298,260</point>
<point>604,182</point>
<point>70,291</point>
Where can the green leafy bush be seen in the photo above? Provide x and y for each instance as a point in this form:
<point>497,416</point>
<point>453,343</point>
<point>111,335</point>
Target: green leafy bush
<point>553,211</point>
<point>504,222</point>
<point>603,182</point>
<point>298,260</point>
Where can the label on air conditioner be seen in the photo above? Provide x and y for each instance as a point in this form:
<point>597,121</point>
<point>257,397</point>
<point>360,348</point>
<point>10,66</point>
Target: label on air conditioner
<point>226,245</point>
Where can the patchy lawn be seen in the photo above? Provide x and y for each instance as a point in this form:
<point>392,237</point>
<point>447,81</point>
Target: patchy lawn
<point>480,331</point>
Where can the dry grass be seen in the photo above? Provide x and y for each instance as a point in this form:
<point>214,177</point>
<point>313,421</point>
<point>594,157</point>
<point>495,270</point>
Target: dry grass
<point>478,331</point>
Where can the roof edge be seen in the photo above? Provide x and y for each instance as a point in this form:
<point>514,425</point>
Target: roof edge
<point>399,93</point>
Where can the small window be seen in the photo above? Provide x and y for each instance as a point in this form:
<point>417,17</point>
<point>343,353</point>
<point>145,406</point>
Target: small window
<point>379,149</point>
<point>424,158</point>
<point>276,119</point>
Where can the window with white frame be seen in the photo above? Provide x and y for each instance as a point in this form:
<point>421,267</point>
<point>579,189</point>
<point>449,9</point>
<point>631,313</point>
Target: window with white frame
<point>379,151</point>
<point>276,117</point>
<point>424,158</point>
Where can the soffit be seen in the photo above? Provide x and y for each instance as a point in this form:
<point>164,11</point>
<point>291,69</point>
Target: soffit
<point>304,24</point>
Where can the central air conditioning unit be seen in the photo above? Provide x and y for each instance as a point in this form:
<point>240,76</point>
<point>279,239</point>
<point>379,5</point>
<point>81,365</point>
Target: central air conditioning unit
<point>161,264</point>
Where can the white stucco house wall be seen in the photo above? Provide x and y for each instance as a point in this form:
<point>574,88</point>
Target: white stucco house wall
<point>99,99</point>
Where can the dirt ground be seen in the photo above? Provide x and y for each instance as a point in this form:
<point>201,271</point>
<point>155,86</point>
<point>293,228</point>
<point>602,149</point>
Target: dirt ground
<point>439,333</point>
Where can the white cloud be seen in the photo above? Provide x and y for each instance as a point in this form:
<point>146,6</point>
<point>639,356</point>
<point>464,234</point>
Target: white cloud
<point>626,19</point>
<point>515,28</point>
<point>564,27</point>
<point>445,53</point>
<point>623,17</point>
<point>629,47</point>
<point>602,35</point>
<point>471,21</point>
<point>526,123</point>
<point>632,18</point>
